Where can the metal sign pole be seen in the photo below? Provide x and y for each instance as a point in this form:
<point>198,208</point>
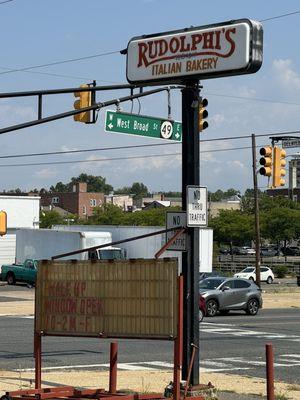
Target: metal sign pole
<point>190,259</point>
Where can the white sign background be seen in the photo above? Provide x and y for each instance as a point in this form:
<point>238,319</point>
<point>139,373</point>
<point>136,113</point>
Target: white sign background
<point>218,48</point>
<point>196,206</point>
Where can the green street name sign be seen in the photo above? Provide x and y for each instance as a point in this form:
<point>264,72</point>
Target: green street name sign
<point>142,125</point>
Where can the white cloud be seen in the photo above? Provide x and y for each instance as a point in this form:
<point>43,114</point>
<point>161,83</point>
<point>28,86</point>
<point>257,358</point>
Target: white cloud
<point>285,74</point>
<point>235,163</point>
<point>45,173</point>
<point>10,113</point>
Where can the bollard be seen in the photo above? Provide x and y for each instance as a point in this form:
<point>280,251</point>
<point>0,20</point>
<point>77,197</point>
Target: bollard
<point>113,368</point>
<point>270,371</point>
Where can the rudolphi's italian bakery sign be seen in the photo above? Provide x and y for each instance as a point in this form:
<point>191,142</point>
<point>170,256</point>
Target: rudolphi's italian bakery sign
<point>211,51</point>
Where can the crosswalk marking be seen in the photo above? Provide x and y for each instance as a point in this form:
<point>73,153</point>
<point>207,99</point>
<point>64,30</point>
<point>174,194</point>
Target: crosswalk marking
<point>222,364</point>
<point>234,330</point>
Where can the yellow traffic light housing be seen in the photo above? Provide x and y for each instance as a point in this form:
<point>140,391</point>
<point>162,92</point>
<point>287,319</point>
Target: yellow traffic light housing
<point>266,161</point>
<point>85,100</point>
<point>3,223</point>
<point>279,164</point>
<point>203,114</point>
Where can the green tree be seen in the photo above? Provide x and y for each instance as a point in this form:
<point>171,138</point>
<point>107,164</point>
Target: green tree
<point>49,218</point>
<point>108,214</point>
<point>60,187</point>
<point>280,224</point>
<point>232,227</point>
<point>139,190</point>
<point>94,184</point>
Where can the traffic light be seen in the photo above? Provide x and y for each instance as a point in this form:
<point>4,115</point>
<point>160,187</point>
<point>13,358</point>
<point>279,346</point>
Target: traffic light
<point>3,223</point>
<point>85,100</point>
<point>203,114</point>
<point>266,161</point>
<point>279,164</point>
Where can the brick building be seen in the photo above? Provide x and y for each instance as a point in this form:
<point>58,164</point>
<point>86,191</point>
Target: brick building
<point>79,201</point>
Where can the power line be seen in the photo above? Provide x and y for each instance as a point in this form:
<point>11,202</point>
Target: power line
<point>280,16</point>
<point>59,62</point>
<point>105,53</point>
<point>89,161</point>
<point>87,150</point>
<point>146,145</point>
<point>118,158</point>
<point>57,75</point>
<point>253,99</point>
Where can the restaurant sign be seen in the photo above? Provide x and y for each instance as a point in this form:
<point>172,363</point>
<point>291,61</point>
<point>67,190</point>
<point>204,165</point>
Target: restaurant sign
<point>210,51</point>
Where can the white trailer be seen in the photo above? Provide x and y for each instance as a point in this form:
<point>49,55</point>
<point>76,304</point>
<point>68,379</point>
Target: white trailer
<point>42,244</point>
<point>146,248</point>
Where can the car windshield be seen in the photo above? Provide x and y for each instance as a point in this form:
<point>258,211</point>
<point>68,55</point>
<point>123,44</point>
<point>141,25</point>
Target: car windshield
<point>248,269</point>
<point>211,283</point>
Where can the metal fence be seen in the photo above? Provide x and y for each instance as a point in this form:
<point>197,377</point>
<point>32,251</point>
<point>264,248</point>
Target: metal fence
<point>231,265</point>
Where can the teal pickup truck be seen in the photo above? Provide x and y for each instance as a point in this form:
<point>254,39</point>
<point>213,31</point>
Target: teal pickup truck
<point>26,272</point>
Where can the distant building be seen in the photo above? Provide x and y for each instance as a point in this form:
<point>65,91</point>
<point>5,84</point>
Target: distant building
<point>22,212</point>
<point>79,201</point>
<point>214,207</point>
<point>156,204</point>
<point>165,201</point>
<point>124,201</point>
<point>293,190</point>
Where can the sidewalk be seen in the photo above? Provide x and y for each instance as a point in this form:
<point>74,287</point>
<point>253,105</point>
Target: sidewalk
<point>146,382</point>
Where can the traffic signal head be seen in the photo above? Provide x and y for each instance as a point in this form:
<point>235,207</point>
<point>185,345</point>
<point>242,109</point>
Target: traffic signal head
<point>279,164</point>
<point>203,114</point>
<point>3,223</point>
<point>266,161</point>
<point>85,100</point>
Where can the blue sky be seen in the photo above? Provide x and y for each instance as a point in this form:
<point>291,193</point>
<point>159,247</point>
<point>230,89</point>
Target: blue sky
<point>41,32</point>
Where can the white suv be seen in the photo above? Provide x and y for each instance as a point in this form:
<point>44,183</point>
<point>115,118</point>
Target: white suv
<point>266,274</point>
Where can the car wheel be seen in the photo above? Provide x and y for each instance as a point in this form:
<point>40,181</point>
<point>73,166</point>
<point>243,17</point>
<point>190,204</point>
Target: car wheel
<point>211,308</point>
<point>269,280</point>
<point>252,307</point>
<point>10,279</point>
<point>201,315</point>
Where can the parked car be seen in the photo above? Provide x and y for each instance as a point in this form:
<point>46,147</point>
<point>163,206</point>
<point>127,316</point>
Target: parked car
<point>225,294</point>
<point>291,251</point>
<point>204,275</point>
<point>202,307</point>
<point>224,251</point>
<point>266,274</point>
<point>250,251</point>
<point>270,252</point>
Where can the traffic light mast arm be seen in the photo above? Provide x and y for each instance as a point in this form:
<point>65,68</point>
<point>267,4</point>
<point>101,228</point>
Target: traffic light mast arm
<point>96,106</point>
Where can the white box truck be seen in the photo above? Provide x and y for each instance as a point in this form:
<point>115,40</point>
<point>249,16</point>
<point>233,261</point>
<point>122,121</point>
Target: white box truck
<point>147,247</point>
<point>42,244</point>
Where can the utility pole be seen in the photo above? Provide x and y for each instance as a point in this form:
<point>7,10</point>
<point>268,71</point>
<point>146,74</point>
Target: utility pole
<point>256,213</point>
<point>190,258</point>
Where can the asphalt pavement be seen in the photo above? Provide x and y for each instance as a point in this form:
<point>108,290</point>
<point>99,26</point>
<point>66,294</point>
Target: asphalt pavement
<point>232,344</point>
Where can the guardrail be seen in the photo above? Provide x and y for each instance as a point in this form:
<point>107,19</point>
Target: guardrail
<point>233,264</point>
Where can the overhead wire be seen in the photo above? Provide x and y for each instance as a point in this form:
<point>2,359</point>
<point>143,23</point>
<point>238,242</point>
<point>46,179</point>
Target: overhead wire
<point>108,52</point>
<point>62,152</point>
<point>59,62</point>
<point>280,16</point>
